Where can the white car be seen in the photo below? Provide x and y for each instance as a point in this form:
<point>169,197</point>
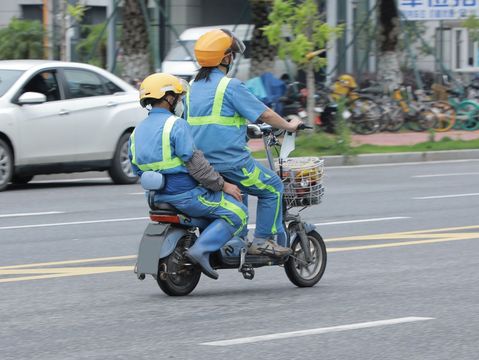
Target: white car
<point>63,117</point>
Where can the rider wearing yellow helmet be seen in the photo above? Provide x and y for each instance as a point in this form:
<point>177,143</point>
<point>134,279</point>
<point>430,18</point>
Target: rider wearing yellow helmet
<point>218,109</point>
<point>163,143</point>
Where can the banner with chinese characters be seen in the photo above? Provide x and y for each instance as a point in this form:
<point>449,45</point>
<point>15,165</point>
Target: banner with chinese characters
<point>438,9</point>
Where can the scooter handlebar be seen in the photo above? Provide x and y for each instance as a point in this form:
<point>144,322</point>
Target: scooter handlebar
<point>304,127</point>
<point>301,127</point>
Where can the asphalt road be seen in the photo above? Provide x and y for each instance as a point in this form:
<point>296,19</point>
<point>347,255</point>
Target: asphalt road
<point>401,280</point>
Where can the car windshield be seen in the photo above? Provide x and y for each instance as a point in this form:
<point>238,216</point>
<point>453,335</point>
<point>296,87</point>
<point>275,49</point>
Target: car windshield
<point>7,78</point>
<point>179,53</point>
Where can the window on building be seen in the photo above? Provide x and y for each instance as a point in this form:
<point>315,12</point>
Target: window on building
<point>32,12</point>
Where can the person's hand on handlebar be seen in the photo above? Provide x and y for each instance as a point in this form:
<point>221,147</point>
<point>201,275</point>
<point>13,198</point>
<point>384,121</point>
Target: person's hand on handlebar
<point>294,125</point>
<point>277,122</point>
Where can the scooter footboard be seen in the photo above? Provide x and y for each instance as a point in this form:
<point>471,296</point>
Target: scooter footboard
<point>158,241</point>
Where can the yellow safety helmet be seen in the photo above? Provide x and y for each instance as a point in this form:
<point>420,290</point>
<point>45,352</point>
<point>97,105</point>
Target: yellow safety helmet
<point>155,86</point>
<point>348,81</point>
<point>214,45</point>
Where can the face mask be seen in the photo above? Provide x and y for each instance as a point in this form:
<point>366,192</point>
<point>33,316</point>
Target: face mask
<point>179,109</point>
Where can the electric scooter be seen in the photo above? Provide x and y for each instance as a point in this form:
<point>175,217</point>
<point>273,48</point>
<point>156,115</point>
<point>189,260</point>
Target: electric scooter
<point>170,232</point>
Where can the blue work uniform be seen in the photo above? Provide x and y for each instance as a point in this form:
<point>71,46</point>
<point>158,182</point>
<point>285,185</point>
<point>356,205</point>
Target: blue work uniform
<point>218,110</point>
<point>163,142</point>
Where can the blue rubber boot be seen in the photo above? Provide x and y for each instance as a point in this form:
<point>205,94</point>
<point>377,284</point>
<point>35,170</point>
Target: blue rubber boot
<point>218,233</point>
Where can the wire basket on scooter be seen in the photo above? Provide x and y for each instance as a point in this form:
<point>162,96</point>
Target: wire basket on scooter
<point>302,179</point>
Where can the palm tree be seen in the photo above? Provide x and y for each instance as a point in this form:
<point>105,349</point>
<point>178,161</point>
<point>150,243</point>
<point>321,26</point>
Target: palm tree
<point>134,42</point>
<point>389,71</point>
<point>22,39</point>
<point>262,53</point>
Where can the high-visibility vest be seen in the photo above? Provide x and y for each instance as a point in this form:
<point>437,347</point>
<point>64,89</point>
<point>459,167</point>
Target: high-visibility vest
<point>215,117</point>
<point>168,161</point>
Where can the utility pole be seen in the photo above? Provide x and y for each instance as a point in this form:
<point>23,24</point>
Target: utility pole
<point>111,43</point>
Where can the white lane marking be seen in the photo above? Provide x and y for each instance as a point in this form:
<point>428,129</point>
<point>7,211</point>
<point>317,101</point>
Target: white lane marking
<point>250,226</point>
<point>68,180</point>
<point>31,214</point>
<point>401,164</point>
<point>71,223</point>
<point>444,196</point>
<point>441,175</point>
<point>137,193</point>
<point>293,334</point>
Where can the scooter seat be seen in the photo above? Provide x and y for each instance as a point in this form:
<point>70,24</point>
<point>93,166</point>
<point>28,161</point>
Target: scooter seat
<point>164,209</point>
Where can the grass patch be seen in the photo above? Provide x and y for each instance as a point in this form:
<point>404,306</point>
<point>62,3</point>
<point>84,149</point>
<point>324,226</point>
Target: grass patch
<point>324,144</point>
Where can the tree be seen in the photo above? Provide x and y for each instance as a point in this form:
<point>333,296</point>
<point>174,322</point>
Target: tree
<point>134,41</point>
<point>389,71</point>
<point>298,33</point>
<point>92,48</point>
<point>472,25</point>
<point>262,52</point>
<point>22,39</point>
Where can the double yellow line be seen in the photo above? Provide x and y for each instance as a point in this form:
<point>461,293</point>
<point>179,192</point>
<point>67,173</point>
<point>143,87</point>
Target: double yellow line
<point>49,270</point>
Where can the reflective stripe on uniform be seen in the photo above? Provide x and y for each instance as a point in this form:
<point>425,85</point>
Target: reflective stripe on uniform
<point>168,161</point>
<point>228,205</point>
<point>215,117</point>
<point>252,179</point>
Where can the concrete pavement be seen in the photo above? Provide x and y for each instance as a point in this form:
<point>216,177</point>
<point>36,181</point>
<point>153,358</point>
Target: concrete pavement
<point>391,139</point>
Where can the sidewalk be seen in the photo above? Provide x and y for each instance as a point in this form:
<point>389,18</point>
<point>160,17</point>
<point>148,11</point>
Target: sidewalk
<point>411,138</point>
<point>406,138</point>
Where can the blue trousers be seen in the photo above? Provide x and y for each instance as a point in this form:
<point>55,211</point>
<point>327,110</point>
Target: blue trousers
<point>257,180</point>
<point>204,203</point>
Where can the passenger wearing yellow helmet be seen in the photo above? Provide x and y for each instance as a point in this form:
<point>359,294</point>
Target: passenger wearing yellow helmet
<point>218,109</point>
<point>163,143</point>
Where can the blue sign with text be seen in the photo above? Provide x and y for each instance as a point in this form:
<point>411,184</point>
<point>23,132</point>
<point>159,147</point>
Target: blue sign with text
<point>438,9</point>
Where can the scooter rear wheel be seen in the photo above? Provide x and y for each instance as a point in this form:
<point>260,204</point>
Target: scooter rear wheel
<point>173,277</point>
<point>298,271</point>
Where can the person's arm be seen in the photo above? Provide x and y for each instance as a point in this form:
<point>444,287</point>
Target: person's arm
<point>197,165</point>
<point>202,171</point>
<point>134,168</point>
<point>272,118</point>
<point>248,106</point>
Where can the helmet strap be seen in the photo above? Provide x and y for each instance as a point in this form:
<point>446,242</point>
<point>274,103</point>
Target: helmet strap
<point>172,106</point>
<point>228,66</point>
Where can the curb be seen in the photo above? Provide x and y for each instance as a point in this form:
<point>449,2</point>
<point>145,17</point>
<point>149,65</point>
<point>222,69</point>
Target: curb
<point>397,158</point>
<point>403,157</point>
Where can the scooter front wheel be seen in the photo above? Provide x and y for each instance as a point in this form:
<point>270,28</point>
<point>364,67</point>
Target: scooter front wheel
<point>174,278</point>
<point>299,271</point>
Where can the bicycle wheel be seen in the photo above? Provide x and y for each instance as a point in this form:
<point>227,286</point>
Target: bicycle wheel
<point>427,119</point>
<point>366,115</point>
<point>446,115</point>
<point>468,113</point>
<point>395,119</point>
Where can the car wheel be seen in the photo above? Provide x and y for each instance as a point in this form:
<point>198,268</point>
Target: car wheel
<point>6,164</point>
<point>121,171</point>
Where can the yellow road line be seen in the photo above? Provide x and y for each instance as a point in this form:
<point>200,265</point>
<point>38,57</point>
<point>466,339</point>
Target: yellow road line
<point>62,272</point>
<point>38,271</point>
<point>402,243</point>
<point>80,261</point>
<point>392,235</point>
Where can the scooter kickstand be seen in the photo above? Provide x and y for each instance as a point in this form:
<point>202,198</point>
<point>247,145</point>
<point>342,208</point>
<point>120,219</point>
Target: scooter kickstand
<point>242,258</point>
<point>246,269</point>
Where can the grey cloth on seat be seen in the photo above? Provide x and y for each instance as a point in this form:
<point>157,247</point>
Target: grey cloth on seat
<point>202,171</point>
